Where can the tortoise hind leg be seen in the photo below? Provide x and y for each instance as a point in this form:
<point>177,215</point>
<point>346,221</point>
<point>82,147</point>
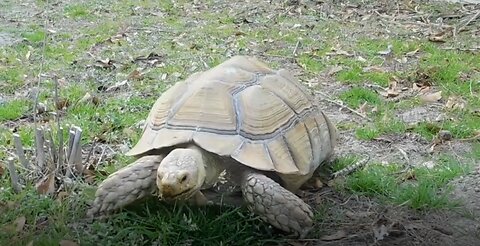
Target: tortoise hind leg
<point>123,187</point>
<point>276,205</point>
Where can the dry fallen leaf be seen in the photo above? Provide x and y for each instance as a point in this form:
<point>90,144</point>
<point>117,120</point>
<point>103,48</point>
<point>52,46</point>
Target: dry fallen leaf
<point>336,52</point>
<point>19,223</point>
<point>429,164</point>
<point>152,59</point>
<point>374,69</point>
<point>432,97</point>
<point>62,103</point>
<point>135,75</point>
<point>61,196</point>
<point>62,82</point>
<point>392,90</point>
<point>358,214</point>
<point>117,86</point>
<point>441,36</point>
<point>116,38</point>
<point>336,236</point>
<point>362,109</point>
<point>361,59</point>
<point>455,102</point>
<point>387,51</point>
<point>412,53</point>
<point>106,63</point>
<point>68,243</point>
<point>85,98</point>
<point>89,176</point>
<point>333,70</point>
<point>439,39</point>
<point>46,185</point>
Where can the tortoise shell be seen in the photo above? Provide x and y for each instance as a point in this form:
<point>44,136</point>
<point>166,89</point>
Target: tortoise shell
<point>262,118</point>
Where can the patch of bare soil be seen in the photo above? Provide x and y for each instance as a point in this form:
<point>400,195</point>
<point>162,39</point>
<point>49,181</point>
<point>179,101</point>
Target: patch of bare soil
<point>357,220</point>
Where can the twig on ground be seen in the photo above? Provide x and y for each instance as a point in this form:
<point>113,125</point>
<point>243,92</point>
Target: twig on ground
<point>53,149</point>
<point>405,156</point>
<point>472,49</point>
<point>94,144</point>
<point>476,137</point>
<point>13,175</point>
<point>294,53</point>
<point>100,158</point>
<point>20,151</point>
<point>342,105</point>
<point>475,16</point>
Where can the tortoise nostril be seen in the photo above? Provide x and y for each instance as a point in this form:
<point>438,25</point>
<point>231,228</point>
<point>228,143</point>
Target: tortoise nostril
<point>183,178</point>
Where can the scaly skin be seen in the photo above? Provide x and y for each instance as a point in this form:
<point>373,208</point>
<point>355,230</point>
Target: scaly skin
<point>125,186</point>
<point>276,205</point>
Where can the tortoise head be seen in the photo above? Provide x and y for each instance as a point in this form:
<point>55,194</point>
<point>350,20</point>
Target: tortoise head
<point>180,174</point>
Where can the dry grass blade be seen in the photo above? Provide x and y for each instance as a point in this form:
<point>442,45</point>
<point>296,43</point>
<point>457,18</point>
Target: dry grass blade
<point>475,16</point>
<point>342,105</point>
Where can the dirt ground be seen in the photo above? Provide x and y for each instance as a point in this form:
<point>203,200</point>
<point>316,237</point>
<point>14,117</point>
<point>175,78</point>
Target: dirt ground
<point>358,220</point>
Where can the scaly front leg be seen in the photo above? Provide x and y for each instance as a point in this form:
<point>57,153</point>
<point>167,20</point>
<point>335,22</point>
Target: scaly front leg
<point>121,188</point>
<point>276,205</point>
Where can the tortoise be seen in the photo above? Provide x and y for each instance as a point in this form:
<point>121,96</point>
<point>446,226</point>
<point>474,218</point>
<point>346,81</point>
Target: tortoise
<point>258,124</point>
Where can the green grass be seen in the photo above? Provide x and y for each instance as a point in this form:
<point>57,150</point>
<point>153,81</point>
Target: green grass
<point>77,11</point>
<point>49,221</point>
<point>13,109</point>
<point>356,96</point>
<point>418,188</point>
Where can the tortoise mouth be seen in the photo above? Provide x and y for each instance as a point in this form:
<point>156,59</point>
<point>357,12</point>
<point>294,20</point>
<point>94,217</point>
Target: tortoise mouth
<point>180,196</point>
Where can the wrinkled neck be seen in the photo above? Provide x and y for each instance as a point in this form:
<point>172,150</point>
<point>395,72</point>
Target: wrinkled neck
<point>210,169</point>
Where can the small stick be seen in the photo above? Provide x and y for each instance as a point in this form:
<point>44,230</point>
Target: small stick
<point>40,149</point>
<point>61,149</point>
<point>20,151</point>
<point>405,156</point>
<point>296,48</point>
<point>327,98</point>
<point>71,137</point>
<point>89,155</point>
<point>475,16</point>
<point>53,151</point>
<point>50,164</point>
<point>13,175</point>
<point>74,151</point>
